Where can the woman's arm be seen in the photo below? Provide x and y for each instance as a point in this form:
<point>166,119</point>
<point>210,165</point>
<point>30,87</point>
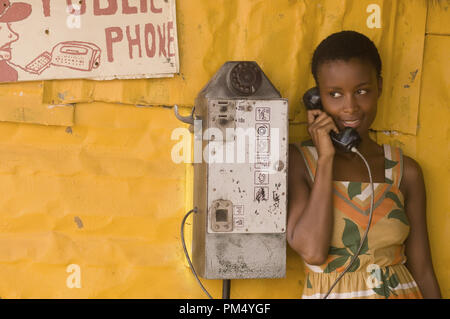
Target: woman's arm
<point>310,222</point>
<point>310,210</point>
<point>417,246</point>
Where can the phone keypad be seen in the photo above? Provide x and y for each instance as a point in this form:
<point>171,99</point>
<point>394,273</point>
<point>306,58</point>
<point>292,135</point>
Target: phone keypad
<point>70,61</point>
<point>40,63</point>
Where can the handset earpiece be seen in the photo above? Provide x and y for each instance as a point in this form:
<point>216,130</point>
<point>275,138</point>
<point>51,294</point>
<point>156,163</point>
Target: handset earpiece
<point>347,138</point>
<point>311,99</point>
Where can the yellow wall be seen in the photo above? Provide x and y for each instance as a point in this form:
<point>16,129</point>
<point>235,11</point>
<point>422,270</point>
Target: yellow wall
<point>86,174</point>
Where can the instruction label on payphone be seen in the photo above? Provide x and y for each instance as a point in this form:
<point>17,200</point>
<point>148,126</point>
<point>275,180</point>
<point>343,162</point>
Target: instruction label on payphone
<point>247,188</point>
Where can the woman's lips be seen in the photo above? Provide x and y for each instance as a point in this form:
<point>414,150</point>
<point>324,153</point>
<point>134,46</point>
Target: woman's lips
<point>351,123</point>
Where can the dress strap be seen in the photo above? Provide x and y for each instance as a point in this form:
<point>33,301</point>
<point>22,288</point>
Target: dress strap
<point>393,164</point>
<point>309,154</point>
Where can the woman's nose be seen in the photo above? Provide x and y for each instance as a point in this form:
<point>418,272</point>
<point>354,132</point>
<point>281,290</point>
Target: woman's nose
<point>351,105</point>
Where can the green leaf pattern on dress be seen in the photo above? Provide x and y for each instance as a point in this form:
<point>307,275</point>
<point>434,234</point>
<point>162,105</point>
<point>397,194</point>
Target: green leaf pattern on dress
<point>351,239</point>
<point>389,163</point>
<point>354,188</point>
<point>399,212</point>
<point>387,284</point>
<point>308,282</point>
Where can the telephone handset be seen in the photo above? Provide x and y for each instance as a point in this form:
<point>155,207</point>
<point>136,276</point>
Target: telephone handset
<point>347,138</point>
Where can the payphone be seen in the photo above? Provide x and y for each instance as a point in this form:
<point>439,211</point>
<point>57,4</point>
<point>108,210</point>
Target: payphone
<point>240,184</point>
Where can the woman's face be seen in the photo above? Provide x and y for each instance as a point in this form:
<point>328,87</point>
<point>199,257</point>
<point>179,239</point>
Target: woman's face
<point>349,91</point>
<point>7,36</point>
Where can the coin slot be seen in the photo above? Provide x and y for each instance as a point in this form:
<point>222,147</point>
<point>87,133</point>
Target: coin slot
<point>221,215</point>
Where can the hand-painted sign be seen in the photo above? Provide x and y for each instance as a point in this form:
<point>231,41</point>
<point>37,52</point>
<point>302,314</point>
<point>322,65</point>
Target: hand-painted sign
<point>95,39</point>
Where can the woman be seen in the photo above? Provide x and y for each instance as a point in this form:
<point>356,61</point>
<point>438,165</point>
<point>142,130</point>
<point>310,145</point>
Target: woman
<point>329,190</point>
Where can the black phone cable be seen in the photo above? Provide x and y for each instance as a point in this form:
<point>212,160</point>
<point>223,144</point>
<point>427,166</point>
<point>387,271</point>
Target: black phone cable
<point>194,210</point>
<point>368,224</point>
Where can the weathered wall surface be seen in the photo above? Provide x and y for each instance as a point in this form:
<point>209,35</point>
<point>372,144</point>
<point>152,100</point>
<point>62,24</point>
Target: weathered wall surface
<point>86,173</point>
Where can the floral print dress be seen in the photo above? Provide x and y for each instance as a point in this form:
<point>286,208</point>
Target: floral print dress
<point>379,270</point>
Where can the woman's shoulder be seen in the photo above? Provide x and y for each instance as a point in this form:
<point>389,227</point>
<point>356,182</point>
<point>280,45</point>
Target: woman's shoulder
<point>412,175</point>
<point>411,168</point>
<point>412,171</point>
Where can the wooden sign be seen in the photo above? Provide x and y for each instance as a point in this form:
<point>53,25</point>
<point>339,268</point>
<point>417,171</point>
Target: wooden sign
<point>94,39</point>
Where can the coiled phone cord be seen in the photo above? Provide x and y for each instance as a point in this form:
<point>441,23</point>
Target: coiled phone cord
<point>368,224</point>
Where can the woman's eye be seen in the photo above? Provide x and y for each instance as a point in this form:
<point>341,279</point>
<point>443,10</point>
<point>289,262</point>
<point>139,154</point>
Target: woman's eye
<point>362,91</point>
<point>335,94</point>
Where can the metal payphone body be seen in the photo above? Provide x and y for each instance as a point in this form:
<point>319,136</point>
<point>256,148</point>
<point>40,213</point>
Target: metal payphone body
<point>239,229</point>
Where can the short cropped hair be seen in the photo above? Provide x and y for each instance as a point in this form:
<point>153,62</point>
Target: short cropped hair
<point>346,45</point>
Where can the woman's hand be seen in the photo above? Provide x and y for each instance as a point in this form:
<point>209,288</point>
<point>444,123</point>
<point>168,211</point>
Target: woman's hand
<point>320,124</point>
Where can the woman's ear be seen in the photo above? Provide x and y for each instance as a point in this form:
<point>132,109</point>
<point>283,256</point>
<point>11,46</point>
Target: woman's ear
<point>380,85</point>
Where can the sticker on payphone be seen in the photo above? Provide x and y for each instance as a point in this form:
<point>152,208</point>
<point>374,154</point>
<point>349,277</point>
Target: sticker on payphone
<point>238,216</point>
<point>261,178</point>
<point>238,210</point>
<point>262,146</point>
<point>262,162</point>
<point>263,114</point>
<point>261,194</point>
<point>262,129</point>
<point>239,222</point>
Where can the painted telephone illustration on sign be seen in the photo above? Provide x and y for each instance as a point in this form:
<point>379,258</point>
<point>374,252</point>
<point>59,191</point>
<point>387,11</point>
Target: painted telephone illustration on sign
<point>75,55</point>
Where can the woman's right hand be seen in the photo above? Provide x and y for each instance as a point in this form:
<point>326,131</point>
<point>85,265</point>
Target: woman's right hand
<point>320,124</point>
